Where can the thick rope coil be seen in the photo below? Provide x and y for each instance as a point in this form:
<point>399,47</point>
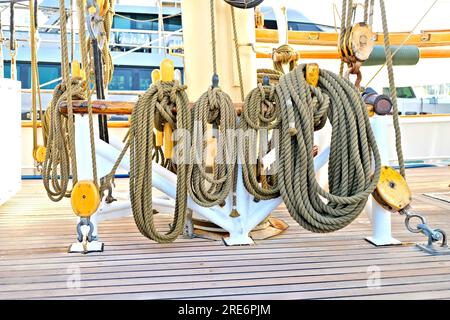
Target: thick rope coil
<point>260,114</point>
<point>214,107</point>
<point>160,97</point>
<point>285,55</point>
<point>351,176</point>
<point>57,165</point>
<point>165,99</point>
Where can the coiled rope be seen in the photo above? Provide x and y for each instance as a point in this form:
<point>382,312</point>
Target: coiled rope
<point>261,113</point>
<point>160,97</point>
<point>213,107</point>
<point>351,177</point>
<point>166,98</point>
<point>57,167</point>
<point>61,154</point>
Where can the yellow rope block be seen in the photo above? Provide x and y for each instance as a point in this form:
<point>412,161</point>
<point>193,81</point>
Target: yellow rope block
<point>85,198</point>
<point>312,74</point>
<point>39,154</point>
<point>168,143</point>
<point>76,70</point>
<point>167,74</point>
<point>392,191</point>
<point>156,76</point>
<point>167,70</point>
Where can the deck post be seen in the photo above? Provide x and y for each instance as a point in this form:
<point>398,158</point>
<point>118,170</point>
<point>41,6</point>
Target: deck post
<point>380,217</point>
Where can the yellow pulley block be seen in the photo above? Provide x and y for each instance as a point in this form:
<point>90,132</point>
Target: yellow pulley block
<point>39,154</point>
<point>312,74</point>
<point>392,191</point>
<point>360,41</point>
<point>77,72</point>
<point>85,198</point>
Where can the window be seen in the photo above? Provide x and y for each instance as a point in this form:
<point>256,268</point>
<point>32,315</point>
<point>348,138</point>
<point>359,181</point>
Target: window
<point>47,72</point>
<point>402,92</point>
<point>135,21</point>
<point>131,78</point>
<point>172,24</point>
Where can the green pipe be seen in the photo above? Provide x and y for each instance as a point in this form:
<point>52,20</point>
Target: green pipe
<point>406,56</point>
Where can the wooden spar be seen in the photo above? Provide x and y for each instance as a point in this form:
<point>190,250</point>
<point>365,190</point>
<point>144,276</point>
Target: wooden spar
<point>425,53</point>
<point>425,39</point>
<point>112,107</point>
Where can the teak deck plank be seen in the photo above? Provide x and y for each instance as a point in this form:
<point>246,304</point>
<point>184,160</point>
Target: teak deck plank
<point>35,234</point>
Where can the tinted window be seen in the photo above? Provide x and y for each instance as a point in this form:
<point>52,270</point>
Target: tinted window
<point>131,78</point>
<point>402,92</point>
<point>47,72</point>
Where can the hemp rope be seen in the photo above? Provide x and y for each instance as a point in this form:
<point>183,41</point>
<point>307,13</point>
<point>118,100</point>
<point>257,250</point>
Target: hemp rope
<point>393,90</point>
<point>161,99</point>
<point>213,107</point>
<point>273,75</point>
<point>60,142</point>
<point>351,178</point>
<point>87,66</point>
<point>288,55</point>
<point>261,113</point>
<point>57,165</point>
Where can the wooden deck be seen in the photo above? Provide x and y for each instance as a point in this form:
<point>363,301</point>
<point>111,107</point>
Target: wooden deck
<point>35,234</point>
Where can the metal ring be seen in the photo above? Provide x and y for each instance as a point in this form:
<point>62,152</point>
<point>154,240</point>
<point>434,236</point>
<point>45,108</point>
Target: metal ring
<point>407,222</point>
<point>444,237</point>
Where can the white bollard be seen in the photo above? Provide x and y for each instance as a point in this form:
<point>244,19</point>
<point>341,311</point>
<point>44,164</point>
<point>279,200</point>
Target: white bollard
<point>380,217</point>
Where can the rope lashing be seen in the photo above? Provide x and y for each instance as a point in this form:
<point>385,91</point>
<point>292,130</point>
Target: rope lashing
<point>285,54</point>
<point>260,114</point>
<point>351,176</point>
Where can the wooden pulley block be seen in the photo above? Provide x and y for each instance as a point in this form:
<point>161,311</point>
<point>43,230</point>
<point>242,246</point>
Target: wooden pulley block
<point>39,154</point>
<point>244,4</point>
<point>392,191</point>
<point>360,41</point>
<point>85,198</point>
